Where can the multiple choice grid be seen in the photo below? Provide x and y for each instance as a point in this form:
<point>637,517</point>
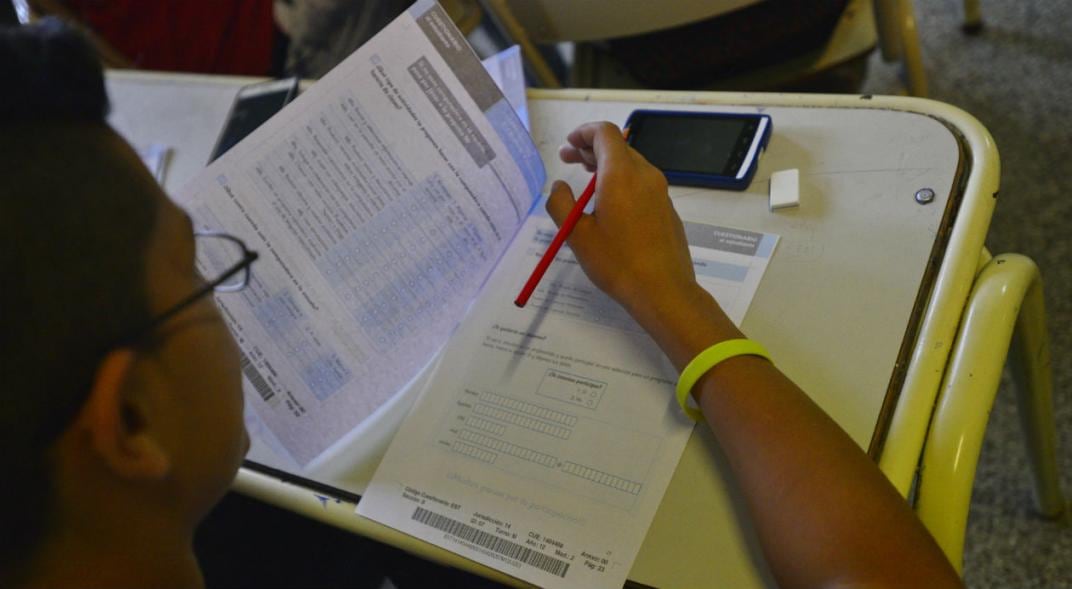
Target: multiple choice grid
<point>282,318</point>
<point>485,425</point>
<point>393,249</point>
<point>393,280</point>
<point>529,423</point>
<point>602,478</point>
<point>473,452</point>
<point>508,448</point>
<point>494,413</point>
<point>529,409</point>
<point>322,370</point>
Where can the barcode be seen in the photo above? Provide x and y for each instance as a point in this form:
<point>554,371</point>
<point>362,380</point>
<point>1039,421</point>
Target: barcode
<point>491,542</point>
<point>255,378</point>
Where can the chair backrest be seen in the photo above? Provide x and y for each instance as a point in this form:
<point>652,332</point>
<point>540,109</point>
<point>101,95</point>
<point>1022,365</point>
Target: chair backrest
<point>548,21</point>
<point>529,22</point>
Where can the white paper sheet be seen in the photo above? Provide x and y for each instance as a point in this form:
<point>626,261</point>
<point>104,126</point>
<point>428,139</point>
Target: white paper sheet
<point>380,199</point>
<point>543,444</point>
<point>506,69</point>
<point>155,156</point>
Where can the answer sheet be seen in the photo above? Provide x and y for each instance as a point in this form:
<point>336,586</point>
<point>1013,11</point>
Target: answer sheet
<point>544,442</point>
<point>379,200</point>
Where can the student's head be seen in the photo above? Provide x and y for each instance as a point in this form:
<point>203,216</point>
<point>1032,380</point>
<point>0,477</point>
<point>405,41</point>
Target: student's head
<point>97,417</point>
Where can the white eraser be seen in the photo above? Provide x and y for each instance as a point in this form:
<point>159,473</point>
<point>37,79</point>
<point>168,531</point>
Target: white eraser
<point>785,189</point>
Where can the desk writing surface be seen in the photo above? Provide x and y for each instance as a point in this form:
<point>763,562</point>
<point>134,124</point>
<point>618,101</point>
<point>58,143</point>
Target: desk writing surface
<point>839,291</point>
<point>832,308</point>
<point>184,112</point>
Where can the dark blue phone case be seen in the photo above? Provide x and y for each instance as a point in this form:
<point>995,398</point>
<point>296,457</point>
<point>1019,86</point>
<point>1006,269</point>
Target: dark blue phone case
<point>703,179</point>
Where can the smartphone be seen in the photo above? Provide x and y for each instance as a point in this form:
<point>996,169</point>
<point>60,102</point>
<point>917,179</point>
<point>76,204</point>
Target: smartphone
<point>253,105</point>
<point>709,149</point>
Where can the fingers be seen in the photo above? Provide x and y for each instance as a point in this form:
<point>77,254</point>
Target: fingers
<point>560,202</point>
<point>572,155</point>
<point>594,144</point>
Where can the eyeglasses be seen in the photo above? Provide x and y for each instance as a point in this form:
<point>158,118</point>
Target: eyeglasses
<point>224,256</point>
<point>218,254</point>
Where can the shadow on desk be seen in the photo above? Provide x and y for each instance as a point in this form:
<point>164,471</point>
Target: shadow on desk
<point>246,543</point>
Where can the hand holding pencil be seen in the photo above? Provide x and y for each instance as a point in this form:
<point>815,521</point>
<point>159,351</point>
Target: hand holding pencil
<point>632,245</point>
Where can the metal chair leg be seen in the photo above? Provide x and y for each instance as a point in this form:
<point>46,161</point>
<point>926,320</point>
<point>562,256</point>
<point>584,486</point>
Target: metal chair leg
<point>915,74</point>
<point>501,16</point>
<point>1032,373</point>
<point>973,17</point>
<point>899,40</point>
<point>888,25</point>
<point>1006,298</point>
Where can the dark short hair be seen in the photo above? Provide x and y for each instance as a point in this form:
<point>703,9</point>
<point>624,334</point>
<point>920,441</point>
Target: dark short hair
<point>75,222</point>
<point>50,73</point>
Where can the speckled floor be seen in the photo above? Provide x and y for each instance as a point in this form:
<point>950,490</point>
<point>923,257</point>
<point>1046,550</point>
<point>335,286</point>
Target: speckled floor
<point>1016,78</point>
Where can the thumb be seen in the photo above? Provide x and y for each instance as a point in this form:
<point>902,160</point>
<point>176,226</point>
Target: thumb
<point>560,202</point>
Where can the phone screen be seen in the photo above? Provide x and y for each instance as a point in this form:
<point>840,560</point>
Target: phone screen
<point>251,109</point>
<point>710,145</point>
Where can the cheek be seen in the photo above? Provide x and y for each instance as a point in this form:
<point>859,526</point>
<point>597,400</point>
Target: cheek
<point>214,379</point>
<point>228,385</point>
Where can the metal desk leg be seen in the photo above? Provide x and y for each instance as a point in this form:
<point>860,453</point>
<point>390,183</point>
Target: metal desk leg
<point>1005,300</point>
<point>973,17</point>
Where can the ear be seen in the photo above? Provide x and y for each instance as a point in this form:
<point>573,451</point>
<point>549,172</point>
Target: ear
<point>115,418</point>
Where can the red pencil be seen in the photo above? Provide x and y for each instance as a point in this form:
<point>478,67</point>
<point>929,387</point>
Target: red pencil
<point>556,243</point>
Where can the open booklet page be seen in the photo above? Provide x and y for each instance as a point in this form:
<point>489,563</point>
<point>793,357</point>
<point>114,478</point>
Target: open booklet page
<point>508,72</point>
<point>545,440</point>
<point>379,201</point>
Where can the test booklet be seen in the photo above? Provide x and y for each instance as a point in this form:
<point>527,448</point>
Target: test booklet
<point>396,208</point>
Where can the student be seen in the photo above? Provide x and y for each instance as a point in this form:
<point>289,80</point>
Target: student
<point>117,433</point>
<point>120,388</point>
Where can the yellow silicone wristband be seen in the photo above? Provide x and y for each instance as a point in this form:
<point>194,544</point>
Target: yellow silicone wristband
<point>708,359</point>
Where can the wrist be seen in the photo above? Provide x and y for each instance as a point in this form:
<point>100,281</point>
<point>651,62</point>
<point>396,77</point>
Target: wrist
<point>683,321</point>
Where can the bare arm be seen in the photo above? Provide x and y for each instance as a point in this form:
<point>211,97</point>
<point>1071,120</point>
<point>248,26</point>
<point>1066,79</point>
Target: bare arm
<point>825,515</point>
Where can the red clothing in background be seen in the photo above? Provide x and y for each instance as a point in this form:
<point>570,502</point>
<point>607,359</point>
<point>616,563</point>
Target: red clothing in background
<point>208,36</point>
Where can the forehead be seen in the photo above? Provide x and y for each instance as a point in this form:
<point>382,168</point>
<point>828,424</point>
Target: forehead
<point>170,252</point>
<point>171,222</point>
<point>171,247</point>
<point>169,257</point>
